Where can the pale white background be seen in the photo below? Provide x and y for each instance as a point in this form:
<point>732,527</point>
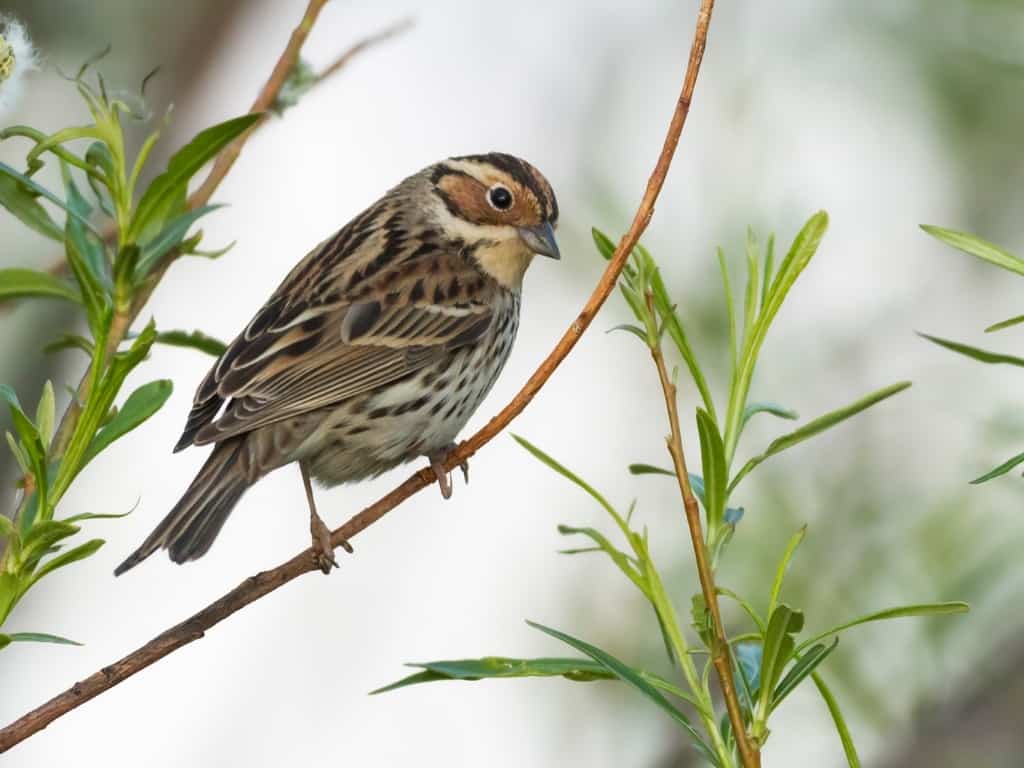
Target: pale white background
<point>584,91</point>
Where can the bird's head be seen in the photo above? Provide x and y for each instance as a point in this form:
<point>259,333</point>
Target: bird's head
<point>501,207</point>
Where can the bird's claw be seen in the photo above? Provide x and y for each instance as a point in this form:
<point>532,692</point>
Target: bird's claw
<point>444,478</point>
<point>323,552</point>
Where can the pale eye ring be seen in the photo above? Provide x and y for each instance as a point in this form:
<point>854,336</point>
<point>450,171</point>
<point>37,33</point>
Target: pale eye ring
<point>500,197</point>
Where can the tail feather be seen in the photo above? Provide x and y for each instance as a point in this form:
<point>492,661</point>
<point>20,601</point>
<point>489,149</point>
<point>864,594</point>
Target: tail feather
<point>189,529</point>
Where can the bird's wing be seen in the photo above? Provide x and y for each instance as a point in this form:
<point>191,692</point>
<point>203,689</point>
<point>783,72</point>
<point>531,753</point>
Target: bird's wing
<point>339,327</point>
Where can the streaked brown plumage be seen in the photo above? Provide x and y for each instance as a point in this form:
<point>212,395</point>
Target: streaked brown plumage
<point>376,348</point>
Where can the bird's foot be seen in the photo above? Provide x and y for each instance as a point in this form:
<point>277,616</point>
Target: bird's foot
<point>323,552</point>
<point>444,478</point>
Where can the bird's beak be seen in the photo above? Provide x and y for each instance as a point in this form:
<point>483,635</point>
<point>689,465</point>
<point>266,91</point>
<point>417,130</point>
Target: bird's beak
<point>541,239</point>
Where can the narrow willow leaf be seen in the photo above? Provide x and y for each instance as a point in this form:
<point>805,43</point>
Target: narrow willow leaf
<point>80,552</point>
<point>7,528</point>
<point>746,606</point>
<point>498,667</point>
<point>625,563</point>
<point>899,612</point>
<point>604,244</point>
<point>40,637</point>
<point>193,340</point>
<point>96,516</point>
<point>91,248</point>
<point>633,677</point>
<point>69,341</point>
<point>780,571</point>
<point>804,666</point>
<point>804,246</point>
<point>975,246</point>
<point>981,355</point>
<point>730,311</point>
<point>629,328</point>
<point>852,759</point>
<point>7,171</point>
<point>1005,324</point>
<point>1002,469</point>
<point>23,205</point>
<point>748,661</point>
<point>171,235</point>
<point>19,455</point>
<point>649,469</point>
<point>769,264</point>
<point>818,425</point>
<point>566,473</point>
<point>766,407</point>
<point>778,648</point>
<point>751,303</point>
<point>182,166</point>
<point>140,405</point>
<point>46,413</point>
<point>712,457</point>
<point>18,283</point>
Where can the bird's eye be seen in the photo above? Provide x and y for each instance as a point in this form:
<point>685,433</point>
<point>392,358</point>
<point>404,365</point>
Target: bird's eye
<point>499,197</point>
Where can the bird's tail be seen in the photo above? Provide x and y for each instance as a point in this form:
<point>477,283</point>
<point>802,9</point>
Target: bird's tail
<point>191,526</point>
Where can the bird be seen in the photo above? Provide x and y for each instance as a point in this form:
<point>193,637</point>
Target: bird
<point>375,350</point>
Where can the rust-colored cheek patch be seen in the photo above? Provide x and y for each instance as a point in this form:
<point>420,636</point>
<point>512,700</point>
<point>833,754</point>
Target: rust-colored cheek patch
<point>469,198</point>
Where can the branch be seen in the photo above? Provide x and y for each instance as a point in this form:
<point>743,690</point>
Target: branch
<point>263,583</point>
<point>721,653</point>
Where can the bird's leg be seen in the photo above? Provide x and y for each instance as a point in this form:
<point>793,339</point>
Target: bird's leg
<point>323,552</point>
<point>444,480</point>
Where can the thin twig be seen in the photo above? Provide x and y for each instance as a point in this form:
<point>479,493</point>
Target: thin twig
<point>263,583</point>
<point>721,653</point>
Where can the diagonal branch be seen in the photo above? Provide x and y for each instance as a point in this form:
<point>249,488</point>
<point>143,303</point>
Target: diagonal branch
<point>263,583</point>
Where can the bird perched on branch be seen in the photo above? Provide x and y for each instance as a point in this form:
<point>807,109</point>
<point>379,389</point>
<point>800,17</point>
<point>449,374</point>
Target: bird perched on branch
<point>376,348</point>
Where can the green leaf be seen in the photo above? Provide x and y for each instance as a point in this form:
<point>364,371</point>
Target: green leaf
<point>18,283</point>
<point>95,516</point>
<point>182,166</point>
<point>80,552</point>
<point>730,311</point>
<point>981,355</point>
<point>649,469</point>
<point>780,571</point>
<point>625,563</point>
<point>23,205</point>
<point>193,340</point>
<point>769,263</point>
<point>837,717</point>
<point>568,474</point>
<point>140,405</point>
<point>39,637</point>
<point>69,341</point>
<point>46,413</point>
<point>633,677</point>
<point>19,455</point>
<point>975,246</point>
<point>712,457</point>
<point>604,244</point>
<point>751,302</point>
<point>91,248</point>
<point>899,612</point>
<point>498,667</point>
<point>766,407</point>
<point>778,648</point>
<point>804,666</point>
<point>1005,324</point>
<point>1002,469</point>
<point>818,425</point>
<point>7,172</point>
<point>170,236</point>
<point>804,246</point>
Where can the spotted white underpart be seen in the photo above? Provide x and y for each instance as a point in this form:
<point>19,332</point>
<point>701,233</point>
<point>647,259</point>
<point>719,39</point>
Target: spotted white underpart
<point>418,416</point>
